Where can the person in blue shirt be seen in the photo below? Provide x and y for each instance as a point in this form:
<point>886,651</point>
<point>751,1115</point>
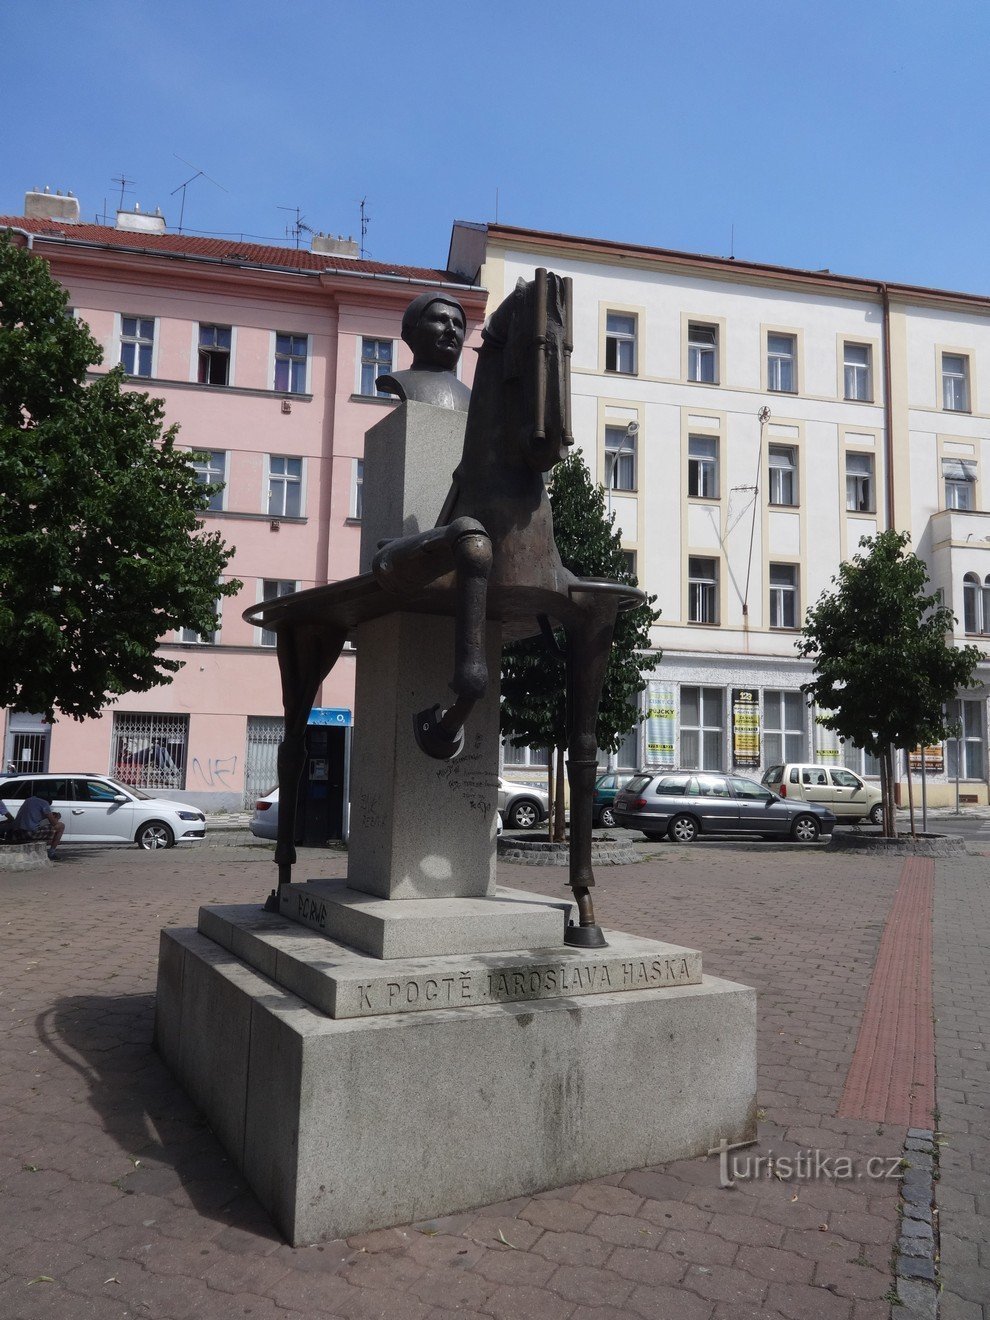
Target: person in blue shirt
<point>37,822</point>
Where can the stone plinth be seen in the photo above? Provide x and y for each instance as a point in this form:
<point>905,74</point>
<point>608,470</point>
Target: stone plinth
<point>348,1124</point>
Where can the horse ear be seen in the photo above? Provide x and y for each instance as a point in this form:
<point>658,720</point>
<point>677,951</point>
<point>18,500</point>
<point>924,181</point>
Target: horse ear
<point>521,284</point>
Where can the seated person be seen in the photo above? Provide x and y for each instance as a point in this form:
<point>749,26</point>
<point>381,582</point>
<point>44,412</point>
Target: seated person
<point>6,821</point>
<point>36,822</point>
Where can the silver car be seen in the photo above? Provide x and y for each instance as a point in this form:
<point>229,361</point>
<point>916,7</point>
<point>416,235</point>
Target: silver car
<point>522,806</point>
<point>685,803</point>
<point>264,823</point>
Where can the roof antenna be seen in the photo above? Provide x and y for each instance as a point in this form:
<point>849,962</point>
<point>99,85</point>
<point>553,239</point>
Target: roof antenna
<point>300,227</point>
<point>192,179</point>
<point>123,187</point>
<point>364,225</point>
<point>732,242</point>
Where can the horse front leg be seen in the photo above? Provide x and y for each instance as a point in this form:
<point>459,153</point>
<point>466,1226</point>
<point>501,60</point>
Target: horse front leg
<point>306,654</point>
<point>589,642</point>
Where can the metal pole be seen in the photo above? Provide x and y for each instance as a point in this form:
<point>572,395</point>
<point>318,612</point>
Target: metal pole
<point>924,790</point>
<point>764,417</point>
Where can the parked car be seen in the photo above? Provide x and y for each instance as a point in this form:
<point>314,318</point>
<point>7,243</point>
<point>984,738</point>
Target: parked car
<point>606,787</point>
<point>522,806</point>
<point>685,803</point>
<point>97,809</point>
<point>833,786</point>
<point>264,823</point>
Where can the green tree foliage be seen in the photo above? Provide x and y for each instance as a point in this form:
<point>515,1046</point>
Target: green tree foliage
<point>883,667</point>
<point>101,553</point>
<point>533,707</point>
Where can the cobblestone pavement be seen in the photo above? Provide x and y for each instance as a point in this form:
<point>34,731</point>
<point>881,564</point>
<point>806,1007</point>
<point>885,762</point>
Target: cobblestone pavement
<point>117,1201</point>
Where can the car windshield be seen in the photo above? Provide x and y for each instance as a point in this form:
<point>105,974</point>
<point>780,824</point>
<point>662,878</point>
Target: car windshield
<point>131,790</point>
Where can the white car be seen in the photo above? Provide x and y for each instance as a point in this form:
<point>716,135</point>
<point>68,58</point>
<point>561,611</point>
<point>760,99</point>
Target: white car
<point>96,809</point>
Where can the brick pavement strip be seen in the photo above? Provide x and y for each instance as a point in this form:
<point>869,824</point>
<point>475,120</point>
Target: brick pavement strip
<point>118,1202</point>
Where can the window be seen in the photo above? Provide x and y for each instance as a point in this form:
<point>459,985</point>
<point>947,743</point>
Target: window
<point>859,483</point>
<point>857,372</point>
<point>284,486</point>
<point>976,604</point>
<point>620,458</point>
<point>702,590</point>
<point>959,475</point>
<point>271,589</point>
<point>525,757</point>
<point>864,763</point>
<point>290,363</point>
<point>357,489</point>
<point>629,563</point>
<point>137,342</point>
<point>701,728</point>
<point>376,360</point>
<point>703,353</point>
<point>955,382</point>
<point>149,751</point>
<point>783,475</point>
<point>784,735</point>
<point>191,638</point>
<point>214,354</point>
<point>703,467</point>
<point>783,596</point>
<point>965,751</point>
<point>210,466</point>
<point>620,343</point>
<point>782,363</point>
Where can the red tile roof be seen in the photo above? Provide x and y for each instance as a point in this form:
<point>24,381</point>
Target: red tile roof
<point>216,249</point>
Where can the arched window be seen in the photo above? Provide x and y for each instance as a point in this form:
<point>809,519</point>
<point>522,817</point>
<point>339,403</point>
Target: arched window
<point>972,604</point>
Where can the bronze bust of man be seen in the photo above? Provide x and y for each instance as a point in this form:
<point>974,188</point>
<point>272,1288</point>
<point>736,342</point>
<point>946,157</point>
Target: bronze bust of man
<point>433,326</point>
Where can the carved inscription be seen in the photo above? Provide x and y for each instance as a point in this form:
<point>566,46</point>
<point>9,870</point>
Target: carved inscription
<point>468,779</point>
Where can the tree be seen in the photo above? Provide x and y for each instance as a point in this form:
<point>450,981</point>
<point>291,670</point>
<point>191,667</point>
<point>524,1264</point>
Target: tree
<point>533,688</point>
<point>101,552</point>
<point>883,667</point>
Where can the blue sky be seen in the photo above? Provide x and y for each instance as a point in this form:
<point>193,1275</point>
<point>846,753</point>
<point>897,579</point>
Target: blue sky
<point>805,133</point>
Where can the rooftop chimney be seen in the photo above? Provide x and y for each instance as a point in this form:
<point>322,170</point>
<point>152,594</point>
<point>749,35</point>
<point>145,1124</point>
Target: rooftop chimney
<point>51,206</point>
<point>140,222</point>
<point>336,247</point>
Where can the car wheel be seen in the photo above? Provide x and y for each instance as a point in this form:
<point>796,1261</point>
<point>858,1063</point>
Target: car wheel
<point>805,829</point>
<point>607,818</point>
<point>154,834</point>
<point>876,814</point>
<point>653,836</point>
<point>683,829</point>
<point>524,815</point>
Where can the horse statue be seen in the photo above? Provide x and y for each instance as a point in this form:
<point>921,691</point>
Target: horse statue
<point>491,556</point>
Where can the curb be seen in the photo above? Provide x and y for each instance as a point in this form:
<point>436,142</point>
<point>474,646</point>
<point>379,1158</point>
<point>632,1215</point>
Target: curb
<point>543,853</point>
<point>929,845</point>
<point>917,1247</point>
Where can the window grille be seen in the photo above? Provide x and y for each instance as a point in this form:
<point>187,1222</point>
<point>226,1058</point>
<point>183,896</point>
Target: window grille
<point>149,751</point>
<point>264,733</point>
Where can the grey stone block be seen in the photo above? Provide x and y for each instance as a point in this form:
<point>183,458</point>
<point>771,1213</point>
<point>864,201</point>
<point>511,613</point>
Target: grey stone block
<point>909,1267</point>
<point>918,1300</point>
<point>341,1126</point>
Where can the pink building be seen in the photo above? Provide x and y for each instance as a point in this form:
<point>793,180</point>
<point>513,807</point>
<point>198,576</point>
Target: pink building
<point>266,357</point>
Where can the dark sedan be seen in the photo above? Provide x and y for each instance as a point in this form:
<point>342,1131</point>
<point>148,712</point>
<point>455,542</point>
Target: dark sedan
<point>682,804</point>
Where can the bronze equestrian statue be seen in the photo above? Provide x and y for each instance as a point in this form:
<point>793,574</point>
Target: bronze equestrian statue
<point>492,555</point>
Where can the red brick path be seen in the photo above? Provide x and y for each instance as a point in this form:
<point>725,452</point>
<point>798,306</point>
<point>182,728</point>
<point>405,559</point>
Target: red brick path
<point>892,1074</point>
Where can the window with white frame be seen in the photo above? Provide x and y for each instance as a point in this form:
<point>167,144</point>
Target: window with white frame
<point>149,750</point>
<point>524,758</point>
<point>857,372</point>
<point>860,494</point>
<point>965,757</point>
<point>284,486</point>
<point>783,475</point>
<point>357,489</point>
<point>291,352</point>
<point>703,467</point>
<point>955,382</point>
<point>959,475</point>
<point>137,344</point>
<point>620,343</point>
<point>785,734</point>
<point>864,763</point>
<point>976,604</point>
<point>782,363</point>
<point>214,354</point>
<point>702,728</point>
<point>376,360</point>
<point>783,596</point>
<point>629,562</point>
<point>620,458</point>
<point>192,638</point>
<point>210,466</point>
<point>703,353</point>
<point>271,589</point>
<point>702,590</point>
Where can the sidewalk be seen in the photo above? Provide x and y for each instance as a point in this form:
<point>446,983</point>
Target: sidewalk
<point>118,1202</point>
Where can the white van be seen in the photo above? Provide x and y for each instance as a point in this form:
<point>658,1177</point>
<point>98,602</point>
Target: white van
<point>833,786</point>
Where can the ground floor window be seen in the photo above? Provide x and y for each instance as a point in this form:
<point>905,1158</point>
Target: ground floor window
<point>965,759</point>
<point>785,737</point>
<point>264,733</point>
<point>523,758</point>
<point>702,728</point>
<point>149,751</point>
<point>865,764</point>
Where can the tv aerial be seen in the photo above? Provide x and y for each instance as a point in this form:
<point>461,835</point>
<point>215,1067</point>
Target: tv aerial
<point>299,227</point>
<point>200,174</point>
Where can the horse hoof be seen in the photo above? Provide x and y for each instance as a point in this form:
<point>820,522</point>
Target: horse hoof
<point>432,739</point>
<point>585,937</point>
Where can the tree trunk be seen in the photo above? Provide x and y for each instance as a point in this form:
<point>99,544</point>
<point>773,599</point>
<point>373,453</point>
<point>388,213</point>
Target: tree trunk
<point>887,792</point>
<point>551,753</point>
<point>560,830</point>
